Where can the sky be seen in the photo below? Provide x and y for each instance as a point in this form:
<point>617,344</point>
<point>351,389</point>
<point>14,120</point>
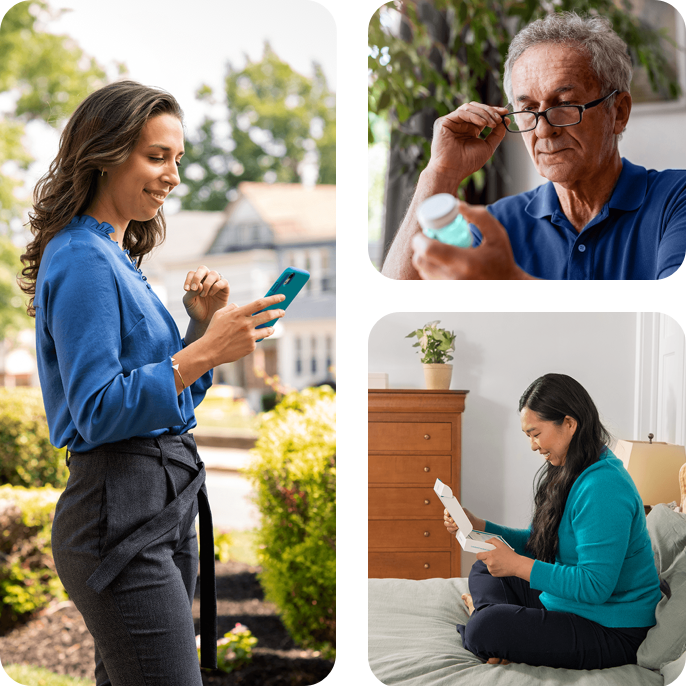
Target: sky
<point>178,46</point>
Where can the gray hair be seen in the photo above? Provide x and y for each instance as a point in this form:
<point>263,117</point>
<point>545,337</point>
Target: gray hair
<point>592,36</point>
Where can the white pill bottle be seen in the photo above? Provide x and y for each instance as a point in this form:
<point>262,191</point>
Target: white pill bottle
<point>440,219</point>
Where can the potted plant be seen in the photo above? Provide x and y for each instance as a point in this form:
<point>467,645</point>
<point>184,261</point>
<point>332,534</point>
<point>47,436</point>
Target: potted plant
<point>435,345</point>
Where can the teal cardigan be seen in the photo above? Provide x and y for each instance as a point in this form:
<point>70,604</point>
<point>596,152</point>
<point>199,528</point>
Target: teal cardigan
<point>604,568</point>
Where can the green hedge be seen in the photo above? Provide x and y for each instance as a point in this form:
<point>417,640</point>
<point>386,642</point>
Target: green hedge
<point>26,456</point>
<point>294,476</point>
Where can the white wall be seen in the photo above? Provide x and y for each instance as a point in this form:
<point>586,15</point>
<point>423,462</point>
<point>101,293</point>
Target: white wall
<point>497,356</point>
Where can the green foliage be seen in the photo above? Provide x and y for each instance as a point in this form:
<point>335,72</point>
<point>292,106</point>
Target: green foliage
<point>275,116</point>
<point>37,676</point>
<point>28,580</point>
<point>48,73</point>
<point>27,456</point>
<point>235,649</point>
<point>13,315</point>
<point>453,51</point>
<point>33,473</point>
<point>435,343</point>
<point>294,477</point>
<point>223,542</point>
<point>220,410</point>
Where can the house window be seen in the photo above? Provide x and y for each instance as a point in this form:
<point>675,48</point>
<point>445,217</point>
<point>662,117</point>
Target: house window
<point>313,347</point>
<point>298,356</point>
<point>329,353</point>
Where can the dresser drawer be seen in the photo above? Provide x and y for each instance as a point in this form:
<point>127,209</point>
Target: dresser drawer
<point>406,436</point>
<point>414,439</point>
<point>404,502</point>
<point>409,565</point>
<point>413,534</point>
<point>418,469</point>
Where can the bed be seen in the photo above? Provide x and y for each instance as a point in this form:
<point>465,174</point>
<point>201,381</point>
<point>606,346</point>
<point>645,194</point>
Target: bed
<point>413,640</point>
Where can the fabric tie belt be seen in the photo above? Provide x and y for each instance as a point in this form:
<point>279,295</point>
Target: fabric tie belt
<point>165,521</point>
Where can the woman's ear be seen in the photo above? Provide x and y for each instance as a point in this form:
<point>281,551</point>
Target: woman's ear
<point>571,424</point>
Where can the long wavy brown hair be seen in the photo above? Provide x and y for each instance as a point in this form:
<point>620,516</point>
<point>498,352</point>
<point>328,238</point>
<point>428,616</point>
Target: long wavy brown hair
<point>102,132</point>
<point>554,397</point>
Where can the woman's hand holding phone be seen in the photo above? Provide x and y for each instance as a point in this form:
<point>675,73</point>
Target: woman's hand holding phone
<point>232,332</point>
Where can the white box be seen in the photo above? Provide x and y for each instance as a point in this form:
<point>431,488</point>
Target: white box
<point>471,541</point>
<point>377,380</point>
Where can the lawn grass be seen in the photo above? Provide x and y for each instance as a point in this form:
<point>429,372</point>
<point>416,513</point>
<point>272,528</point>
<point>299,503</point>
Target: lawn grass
<point>37,676</point>
<point>243,546</point>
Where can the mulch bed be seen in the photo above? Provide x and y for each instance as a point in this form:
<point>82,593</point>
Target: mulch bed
<point>57,638</point>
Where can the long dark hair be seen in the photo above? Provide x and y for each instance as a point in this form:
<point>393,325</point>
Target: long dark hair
<point>103,131</point>
<point>553,397</point>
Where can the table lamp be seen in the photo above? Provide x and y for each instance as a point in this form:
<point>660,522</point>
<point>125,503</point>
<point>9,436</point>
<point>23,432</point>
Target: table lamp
<point>654,467</point>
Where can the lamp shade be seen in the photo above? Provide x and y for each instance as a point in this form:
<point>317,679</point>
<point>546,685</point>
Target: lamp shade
<point>654,467</point>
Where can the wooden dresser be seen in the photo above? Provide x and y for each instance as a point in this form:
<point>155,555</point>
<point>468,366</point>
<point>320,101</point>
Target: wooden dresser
<point>414,438</point>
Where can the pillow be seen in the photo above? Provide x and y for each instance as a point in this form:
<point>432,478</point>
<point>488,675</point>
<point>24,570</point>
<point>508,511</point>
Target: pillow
<point>666,641</point>
<point>667,531</point>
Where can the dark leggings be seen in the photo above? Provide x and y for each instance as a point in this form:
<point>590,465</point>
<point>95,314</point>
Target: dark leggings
<point>511,623</point>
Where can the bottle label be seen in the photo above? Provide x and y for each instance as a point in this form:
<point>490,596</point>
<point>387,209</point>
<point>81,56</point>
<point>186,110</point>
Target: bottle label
<point>456,233</point>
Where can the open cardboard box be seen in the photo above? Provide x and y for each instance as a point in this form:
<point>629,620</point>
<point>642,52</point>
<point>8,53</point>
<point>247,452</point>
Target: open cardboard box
<point>471,541</point>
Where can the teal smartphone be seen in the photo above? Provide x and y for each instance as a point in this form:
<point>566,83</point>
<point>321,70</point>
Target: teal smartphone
<point>290,283</point>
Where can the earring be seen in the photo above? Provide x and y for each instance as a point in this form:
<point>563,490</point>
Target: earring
<point>102,172</point>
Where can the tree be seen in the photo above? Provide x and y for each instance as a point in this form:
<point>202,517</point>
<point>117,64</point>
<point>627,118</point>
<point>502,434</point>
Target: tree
<point>48,75</point>
<point>277,120</point>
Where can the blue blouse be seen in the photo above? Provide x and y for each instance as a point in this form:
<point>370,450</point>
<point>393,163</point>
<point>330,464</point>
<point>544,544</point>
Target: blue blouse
<point>104,343</point>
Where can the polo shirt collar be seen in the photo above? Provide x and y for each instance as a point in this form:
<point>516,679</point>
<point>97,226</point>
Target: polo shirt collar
<point>628,194</point>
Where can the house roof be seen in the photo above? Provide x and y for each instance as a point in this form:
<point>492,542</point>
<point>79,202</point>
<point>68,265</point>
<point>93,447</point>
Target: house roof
<point>294,212</point>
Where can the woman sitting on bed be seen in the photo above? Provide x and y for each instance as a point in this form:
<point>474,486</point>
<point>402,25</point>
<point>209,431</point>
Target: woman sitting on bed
<point>580,588</point>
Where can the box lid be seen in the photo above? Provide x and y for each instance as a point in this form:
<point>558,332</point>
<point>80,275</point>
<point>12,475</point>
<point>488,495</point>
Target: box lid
<point>450,502</point>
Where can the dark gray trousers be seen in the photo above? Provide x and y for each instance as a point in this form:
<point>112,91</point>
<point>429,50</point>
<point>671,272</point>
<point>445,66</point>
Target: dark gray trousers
<point>126,550</point>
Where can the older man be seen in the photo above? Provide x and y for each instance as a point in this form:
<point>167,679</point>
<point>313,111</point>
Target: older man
<point>599,217</point>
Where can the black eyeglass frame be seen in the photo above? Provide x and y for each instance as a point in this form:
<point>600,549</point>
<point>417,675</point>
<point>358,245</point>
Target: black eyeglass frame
<point>580,108</point>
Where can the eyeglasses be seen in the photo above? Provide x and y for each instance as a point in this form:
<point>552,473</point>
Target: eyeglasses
<point>561,115</point>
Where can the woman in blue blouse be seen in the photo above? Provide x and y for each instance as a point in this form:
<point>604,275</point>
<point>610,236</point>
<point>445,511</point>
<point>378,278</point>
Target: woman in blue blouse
<point>120,387</point>
<point>580,588</point>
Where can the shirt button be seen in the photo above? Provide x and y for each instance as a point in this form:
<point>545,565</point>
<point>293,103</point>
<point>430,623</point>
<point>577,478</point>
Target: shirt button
<point>582,248</point>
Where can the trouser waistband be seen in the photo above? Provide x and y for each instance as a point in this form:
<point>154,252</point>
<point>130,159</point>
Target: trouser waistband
<point>170,449</point>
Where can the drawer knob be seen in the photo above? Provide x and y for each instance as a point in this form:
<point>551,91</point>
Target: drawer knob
<point>426,501</point>
<point>427,437</point>
<point>427,534</point>
<point>426,565</point>
<point>427,469</point>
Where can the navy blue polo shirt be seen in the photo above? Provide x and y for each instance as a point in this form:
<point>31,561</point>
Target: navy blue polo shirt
<point>640,233</point>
